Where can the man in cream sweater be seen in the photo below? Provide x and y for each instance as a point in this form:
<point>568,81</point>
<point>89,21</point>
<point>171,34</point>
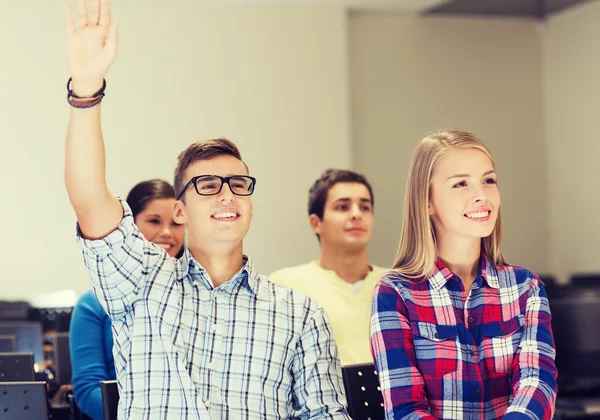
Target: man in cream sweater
<point>340,212</point>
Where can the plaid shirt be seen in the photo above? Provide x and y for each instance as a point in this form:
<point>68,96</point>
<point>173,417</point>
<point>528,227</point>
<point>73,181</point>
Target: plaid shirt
<point>247,349</point>
<point>443,353</point>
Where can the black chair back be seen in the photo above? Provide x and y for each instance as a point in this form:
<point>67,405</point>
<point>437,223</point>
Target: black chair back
<point>585,280</point>
<point>365,401</point>
<point>16,367</point>
<point>110,399</point>
<point>23,400</point>
<point>62,358</point>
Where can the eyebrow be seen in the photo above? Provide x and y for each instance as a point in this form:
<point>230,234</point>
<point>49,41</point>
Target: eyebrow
<point>469,176</point>
<point>153,215</point>
<point>346,199</point>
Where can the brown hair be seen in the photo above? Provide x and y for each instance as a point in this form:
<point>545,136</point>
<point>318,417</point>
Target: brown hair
<point>144,192</point>
<point>203,150</point>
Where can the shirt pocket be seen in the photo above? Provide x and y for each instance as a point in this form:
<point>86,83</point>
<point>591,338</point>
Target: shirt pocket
<point>435,348</point>
<point>500,341</point>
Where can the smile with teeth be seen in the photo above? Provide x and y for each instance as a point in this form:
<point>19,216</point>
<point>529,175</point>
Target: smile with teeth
<point>478,215</point>
<point>165,246</point>
<point>225,215</point>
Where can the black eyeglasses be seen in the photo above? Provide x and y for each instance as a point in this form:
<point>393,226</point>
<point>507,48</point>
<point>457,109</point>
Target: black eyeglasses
<point>213,184</point>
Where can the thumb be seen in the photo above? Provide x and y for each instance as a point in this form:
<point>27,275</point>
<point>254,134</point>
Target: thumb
<point>112,39</point>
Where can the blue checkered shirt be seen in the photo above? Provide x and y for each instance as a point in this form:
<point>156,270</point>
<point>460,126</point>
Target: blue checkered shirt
<point>248,349</point>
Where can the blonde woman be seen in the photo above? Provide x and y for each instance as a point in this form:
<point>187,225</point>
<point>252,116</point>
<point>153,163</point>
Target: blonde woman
<point>456,332</point>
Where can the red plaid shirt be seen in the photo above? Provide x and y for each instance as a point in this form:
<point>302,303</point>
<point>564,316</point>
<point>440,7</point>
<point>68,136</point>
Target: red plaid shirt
<point>442,352</point>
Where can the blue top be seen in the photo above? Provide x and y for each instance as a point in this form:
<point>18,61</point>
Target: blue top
<point>91,342</point>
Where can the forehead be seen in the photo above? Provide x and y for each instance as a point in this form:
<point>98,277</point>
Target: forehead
<point>224,165</point>
<point>472,162</point>
<point>352,190</point>
<point>159,205</point>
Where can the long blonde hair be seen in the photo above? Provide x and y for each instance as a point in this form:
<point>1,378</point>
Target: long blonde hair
<point>417,251</point>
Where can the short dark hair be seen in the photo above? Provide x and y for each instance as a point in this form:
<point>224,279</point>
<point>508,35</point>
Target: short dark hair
<point>203,150</point>
<point>317,195</point>
<point>146,191</point>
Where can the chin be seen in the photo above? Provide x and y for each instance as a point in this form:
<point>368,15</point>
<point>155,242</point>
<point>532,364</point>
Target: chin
<point>483,235</point>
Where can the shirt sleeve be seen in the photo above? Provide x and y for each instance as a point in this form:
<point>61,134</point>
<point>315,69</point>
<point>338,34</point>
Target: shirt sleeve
<point>318,384</point>
<point>121,264</point>
<point>392,346</point>
<point>534,369</point>
<point>86,341</point>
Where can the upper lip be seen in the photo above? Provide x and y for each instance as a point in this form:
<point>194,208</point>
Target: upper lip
<point>226,210</point>
<point>356,228</point>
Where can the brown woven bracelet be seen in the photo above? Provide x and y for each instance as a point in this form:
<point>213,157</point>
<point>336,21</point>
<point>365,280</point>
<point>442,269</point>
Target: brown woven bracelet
<point>84,102</point>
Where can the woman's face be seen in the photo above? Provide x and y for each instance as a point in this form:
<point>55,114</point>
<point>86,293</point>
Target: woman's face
<point>464,195</point>
<point>157,225</point>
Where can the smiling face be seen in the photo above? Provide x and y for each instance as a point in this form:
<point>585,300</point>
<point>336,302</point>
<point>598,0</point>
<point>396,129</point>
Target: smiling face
<point>347,221</point>
<point>156,223</point>
<point>215,220</point>
<point>464,200</point>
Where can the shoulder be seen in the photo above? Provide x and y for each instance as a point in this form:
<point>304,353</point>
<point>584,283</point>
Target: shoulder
<point>512,275</point>
<point>287,300</point>
<point>290,275</point>
<point>87,310</point>
<point>394,281</point>
<point>377,273</point>
<point>88,301</point>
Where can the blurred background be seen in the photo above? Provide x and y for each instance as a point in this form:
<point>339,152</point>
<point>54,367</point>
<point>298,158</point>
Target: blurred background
<point>302,86</point>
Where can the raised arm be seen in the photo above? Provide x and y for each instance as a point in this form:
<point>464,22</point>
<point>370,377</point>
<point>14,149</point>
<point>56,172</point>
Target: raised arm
<point>91,49</point>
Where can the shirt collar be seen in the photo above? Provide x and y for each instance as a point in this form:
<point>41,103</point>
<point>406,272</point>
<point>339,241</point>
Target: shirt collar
<point>441,274</point>
<point>245,277</point>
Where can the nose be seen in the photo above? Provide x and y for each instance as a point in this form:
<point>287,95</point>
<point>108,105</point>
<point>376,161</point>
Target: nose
<point>166,231</point>
<point>355,212</point>
<point>225,195</point>
<point>479,194</point>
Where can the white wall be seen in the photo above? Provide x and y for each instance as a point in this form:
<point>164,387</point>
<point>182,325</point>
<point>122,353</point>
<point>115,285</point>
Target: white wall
<point>572,103</point>
<point>411,76</point>
<point>300,89</point>
<point>271,78</point>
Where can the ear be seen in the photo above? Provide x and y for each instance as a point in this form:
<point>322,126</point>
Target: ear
<point>315,223</point>
<point>179,212</point>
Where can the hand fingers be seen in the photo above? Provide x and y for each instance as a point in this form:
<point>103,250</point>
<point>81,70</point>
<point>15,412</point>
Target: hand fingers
<point>104,13</point>
<point>81,13</point>
<point>94,12</point>
<point>70,23</point>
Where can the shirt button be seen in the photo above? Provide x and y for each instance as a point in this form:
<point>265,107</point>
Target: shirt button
<point>470,319</point>
<point>209,365</point>
<point>214,327</point>
<point>207,404</point>
<point>477,390</point>
<point>471,353</point>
